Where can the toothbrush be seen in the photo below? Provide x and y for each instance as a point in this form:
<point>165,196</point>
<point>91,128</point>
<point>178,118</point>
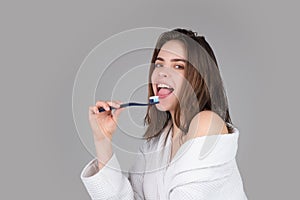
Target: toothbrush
<point>152,100</point>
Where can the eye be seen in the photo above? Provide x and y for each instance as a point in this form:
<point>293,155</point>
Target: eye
<point>179,66</point>
<point>158,65</point>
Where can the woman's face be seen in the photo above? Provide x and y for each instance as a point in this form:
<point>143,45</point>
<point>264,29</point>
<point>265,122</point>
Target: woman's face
<point>169,74</point>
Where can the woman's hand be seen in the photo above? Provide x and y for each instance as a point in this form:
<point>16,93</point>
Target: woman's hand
<point>104,123</point>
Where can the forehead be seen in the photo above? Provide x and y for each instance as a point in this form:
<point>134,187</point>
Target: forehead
<point>174,48</point>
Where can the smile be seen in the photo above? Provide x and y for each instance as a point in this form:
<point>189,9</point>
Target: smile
<point>164,90</point>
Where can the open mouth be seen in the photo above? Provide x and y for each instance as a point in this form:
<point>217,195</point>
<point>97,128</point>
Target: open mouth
<point>164,90</point>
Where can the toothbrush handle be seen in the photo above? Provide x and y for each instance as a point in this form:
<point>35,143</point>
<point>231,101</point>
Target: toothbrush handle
<point>125,105</point>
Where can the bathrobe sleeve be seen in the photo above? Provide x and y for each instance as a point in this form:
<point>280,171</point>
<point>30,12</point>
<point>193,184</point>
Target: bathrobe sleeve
<point>219,183</point>
<point>205,169</point>
<point>110,183</point>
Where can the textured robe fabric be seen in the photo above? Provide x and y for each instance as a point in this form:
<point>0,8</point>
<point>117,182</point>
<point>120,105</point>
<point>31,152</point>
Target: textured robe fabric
<point>203,168</point>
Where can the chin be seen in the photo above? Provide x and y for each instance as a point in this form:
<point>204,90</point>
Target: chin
<point>164,107</point>
<point>161,108</point>
<point>167,104</point>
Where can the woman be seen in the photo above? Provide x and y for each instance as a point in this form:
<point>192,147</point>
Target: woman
<point>191,144</point>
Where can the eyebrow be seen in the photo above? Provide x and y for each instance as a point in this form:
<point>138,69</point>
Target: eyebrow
<point>172,60</point>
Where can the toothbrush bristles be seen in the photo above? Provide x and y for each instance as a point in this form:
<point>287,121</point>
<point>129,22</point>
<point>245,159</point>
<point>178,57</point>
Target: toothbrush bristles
<point>153,100</point>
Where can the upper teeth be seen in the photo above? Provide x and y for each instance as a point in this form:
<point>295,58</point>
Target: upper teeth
<point>163,85</point>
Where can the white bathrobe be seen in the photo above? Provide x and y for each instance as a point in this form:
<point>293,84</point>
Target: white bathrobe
<point>204,168</point>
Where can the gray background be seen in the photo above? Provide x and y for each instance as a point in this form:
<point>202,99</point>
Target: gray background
<point>43,43</point>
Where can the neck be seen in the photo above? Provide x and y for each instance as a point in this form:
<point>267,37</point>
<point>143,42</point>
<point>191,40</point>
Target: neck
<point>175,131</point>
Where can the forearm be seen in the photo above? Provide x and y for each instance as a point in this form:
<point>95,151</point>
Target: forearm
<point>103,151</point>
<point>109,182</point>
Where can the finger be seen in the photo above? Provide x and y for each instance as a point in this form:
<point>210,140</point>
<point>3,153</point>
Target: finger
<point>96,109</point>
<point>119,102</point>
<point>114,104</point>
<point>101,104</point>
<point>91,110</point>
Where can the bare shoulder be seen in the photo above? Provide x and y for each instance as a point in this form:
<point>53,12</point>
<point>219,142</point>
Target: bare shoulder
<point>206,123</point>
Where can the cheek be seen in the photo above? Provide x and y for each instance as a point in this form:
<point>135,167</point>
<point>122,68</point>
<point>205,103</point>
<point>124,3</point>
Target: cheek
<point>179,85</point>
<point>180,79</point>
<point>152,77</point>
<point>154,74</point>
<point>152,81</point>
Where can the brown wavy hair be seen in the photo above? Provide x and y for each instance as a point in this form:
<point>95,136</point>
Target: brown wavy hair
<point>203,89</point>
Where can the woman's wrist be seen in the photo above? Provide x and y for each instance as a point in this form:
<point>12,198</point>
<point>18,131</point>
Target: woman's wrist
<point>99,136</point>
<point>103,151</point>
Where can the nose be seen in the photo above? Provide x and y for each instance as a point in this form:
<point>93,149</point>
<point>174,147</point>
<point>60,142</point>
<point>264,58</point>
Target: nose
<point>164,71</point>
<point>162,74</point>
